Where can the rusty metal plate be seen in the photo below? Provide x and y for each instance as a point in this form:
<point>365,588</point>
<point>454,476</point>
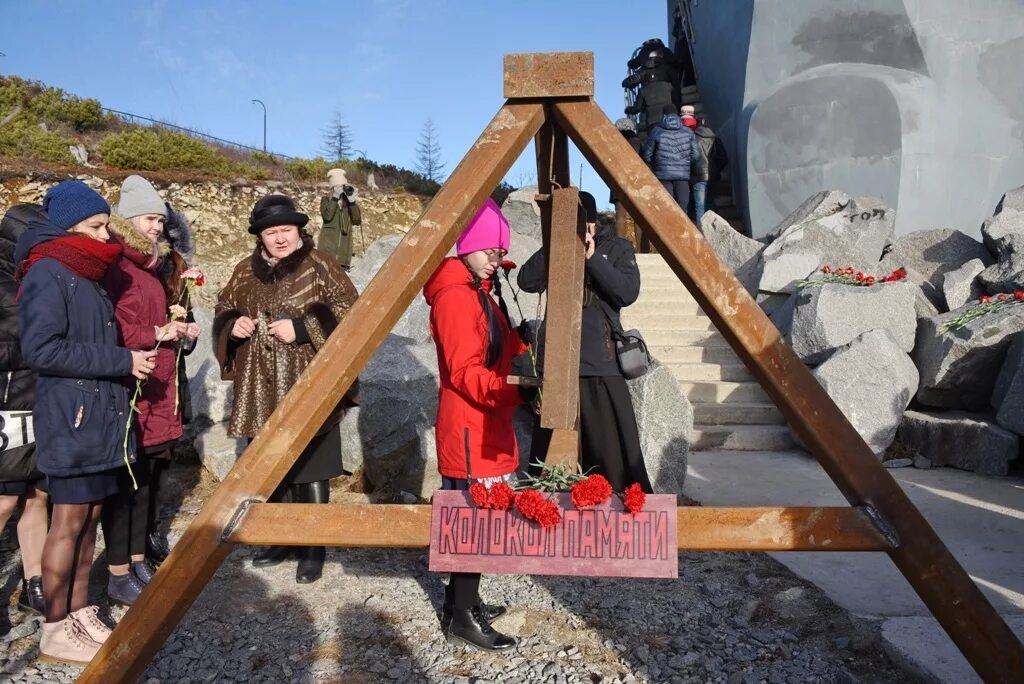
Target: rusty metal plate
<point>549,74</point>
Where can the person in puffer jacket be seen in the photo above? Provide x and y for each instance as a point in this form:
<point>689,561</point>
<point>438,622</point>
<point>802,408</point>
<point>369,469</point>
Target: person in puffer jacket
<point>670,151</point>
<point>476,404</point>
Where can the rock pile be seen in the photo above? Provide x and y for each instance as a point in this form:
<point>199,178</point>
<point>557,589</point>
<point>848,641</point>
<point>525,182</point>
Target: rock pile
<point>919,343</point>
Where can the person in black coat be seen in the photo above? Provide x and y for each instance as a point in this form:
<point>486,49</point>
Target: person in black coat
<point>609,437</point>
<point>21,483</point>
<point>655,96</point>
<point>69,336</point>
<point>670,150</point>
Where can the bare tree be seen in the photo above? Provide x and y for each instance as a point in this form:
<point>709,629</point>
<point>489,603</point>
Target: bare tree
<point>428,154</point>
<point>337,139</point>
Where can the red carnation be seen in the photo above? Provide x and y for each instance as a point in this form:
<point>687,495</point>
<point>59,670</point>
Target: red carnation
<point>984,299</point>
<point>591,491</point>
<point>635,498</point>
<point>478,492</point>
<point>549,514</point>
<point>529,502</point>
<point>870,280</point>
<point>1002,296</point>
<point>1019,295</point>
<point>500,496</point>
<point>859,276</point>
<point>826,269</point>
<point>900,274</point>
<point>507,265</point>
<point>849,270</point>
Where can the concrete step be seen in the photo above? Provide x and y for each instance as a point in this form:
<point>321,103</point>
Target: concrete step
<point>711,372</point>
<point>673,355</point>
<point>656,305</point>
<point>741,438</point>
<point>684,338</point>
<point>723,392</point>
<point>737,413</point>
<point>667,321</point>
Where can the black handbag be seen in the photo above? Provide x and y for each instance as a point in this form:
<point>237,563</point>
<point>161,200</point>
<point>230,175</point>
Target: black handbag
<point>630,347</point>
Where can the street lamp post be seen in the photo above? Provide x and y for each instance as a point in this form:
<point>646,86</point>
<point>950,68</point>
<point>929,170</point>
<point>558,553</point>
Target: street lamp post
<point>260,103</point>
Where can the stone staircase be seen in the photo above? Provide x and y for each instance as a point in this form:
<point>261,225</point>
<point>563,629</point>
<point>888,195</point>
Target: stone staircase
<point>730,410</point>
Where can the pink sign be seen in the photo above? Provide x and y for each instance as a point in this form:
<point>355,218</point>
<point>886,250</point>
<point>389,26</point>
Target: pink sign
<point>604,541</point>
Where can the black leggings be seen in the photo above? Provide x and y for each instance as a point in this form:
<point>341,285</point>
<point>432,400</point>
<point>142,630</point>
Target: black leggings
<point>126,514</point>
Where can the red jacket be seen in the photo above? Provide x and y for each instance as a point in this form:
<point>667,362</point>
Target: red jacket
<point>141,304</point>
<point>476,404</point>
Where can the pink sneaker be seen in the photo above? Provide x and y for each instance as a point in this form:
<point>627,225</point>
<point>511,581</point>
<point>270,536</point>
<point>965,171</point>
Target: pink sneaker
<point>88,619</point>
<point>66,642</point>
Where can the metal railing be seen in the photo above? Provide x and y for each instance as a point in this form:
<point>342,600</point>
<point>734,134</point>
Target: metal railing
<point>136,118</point>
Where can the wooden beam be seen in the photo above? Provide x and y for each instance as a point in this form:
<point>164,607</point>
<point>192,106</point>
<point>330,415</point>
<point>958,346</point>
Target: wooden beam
<point>940,581</point>
<point>564,447</point>
<point>774,528</point>
<point>264,464</point>
<point>562,337</point>
<point>549,74</point>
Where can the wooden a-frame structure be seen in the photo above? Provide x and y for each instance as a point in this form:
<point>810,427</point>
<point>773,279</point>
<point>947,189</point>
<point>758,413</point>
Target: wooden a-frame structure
<point>550,99</point>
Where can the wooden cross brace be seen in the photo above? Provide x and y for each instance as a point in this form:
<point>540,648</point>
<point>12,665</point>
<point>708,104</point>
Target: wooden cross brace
<point>550,97</point>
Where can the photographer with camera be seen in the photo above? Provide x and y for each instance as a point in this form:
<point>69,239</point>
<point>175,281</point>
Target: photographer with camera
<point>340,211</point>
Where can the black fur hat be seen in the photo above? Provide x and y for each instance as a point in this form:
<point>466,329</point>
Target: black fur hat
<point>275,210</point>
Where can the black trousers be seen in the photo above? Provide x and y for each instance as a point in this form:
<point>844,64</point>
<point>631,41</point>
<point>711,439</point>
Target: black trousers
<point>465,585</point>
<point>680,190</point>
<point>609,437</point>
<point>125,515</point>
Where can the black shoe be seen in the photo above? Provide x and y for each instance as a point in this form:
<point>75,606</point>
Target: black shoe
<point>157,549</point>
<point>271,555</point>
<point>490,612</point>
<point>311,564</point>
<point>471,627</point>
<point>31,599</point>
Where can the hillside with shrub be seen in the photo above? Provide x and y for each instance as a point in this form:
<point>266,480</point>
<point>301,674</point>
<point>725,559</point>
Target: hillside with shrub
<point>39,126</point>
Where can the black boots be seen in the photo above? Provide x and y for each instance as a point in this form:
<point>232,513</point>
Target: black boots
<point>470,626</point>
<point>490,612</point>
<point>31,599</point>
<point>271,555</point>
<point>157,549</point>
<point>311,558</point>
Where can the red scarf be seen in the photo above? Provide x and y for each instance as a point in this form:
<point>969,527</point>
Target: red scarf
<point>82,255</point>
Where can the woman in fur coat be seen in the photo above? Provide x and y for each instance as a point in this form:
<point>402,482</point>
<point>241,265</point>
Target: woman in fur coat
<point>143,287</point>
<point>275,313</point>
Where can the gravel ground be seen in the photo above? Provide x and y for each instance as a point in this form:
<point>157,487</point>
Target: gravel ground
<point>731,618</point>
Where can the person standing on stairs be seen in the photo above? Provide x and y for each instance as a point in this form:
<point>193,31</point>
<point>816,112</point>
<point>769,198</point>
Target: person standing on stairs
<point>670,151</point>
<point>276,312</point>
<point>609,436</point>
<point>476,404</point>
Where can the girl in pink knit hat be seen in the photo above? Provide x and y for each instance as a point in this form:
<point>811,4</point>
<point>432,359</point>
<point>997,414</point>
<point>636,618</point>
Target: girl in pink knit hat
<point>476,404</point>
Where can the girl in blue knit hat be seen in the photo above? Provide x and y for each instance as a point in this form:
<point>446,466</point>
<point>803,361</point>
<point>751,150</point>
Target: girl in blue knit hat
<point>69,336</point>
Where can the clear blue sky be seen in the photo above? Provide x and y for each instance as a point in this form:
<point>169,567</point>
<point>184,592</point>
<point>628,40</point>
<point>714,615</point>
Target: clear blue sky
<point>386,65</point>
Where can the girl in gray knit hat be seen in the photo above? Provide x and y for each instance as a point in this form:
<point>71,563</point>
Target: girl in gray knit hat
<point>147,282</point>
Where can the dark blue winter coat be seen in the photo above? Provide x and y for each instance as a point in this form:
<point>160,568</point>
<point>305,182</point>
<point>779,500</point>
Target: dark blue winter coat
<point>670,149</point>
<point>69,337</point>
